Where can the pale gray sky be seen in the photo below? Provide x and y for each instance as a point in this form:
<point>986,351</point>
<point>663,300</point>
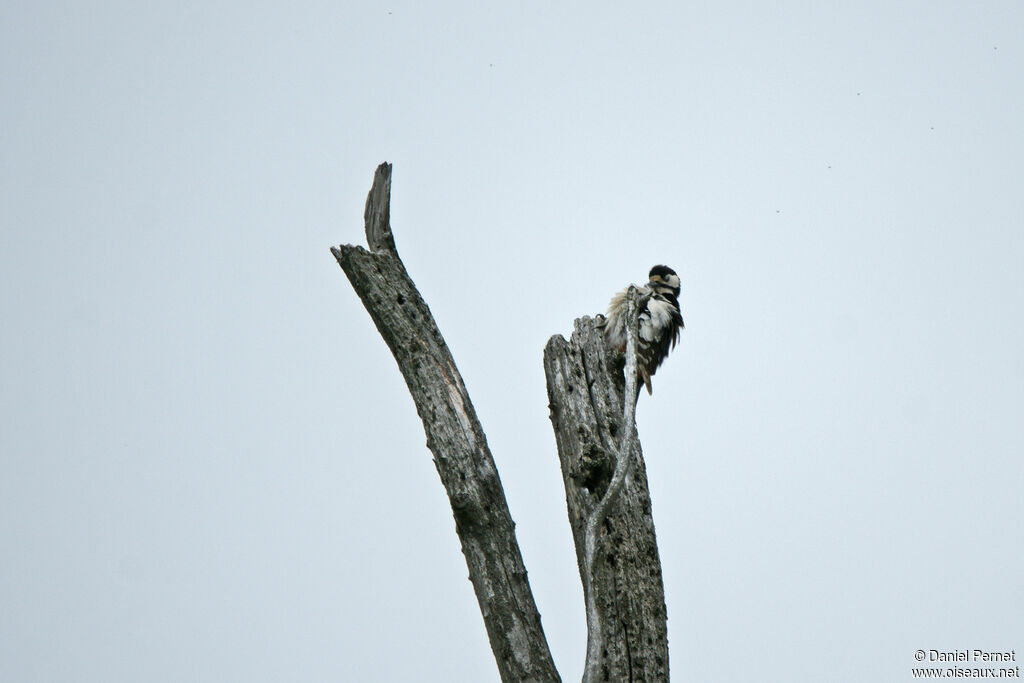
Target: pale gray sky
<point>210,468</point>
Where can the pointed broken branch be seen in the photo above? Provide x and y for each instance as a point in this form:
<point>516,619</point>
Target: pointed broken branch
<point>377,214</point>
<point>456,439</point>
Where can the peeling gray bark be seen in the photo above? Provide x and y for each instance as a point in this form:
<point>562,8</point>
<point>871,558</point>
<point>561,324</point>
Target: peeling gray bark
<point>456,439</point>
<point>627,633</point>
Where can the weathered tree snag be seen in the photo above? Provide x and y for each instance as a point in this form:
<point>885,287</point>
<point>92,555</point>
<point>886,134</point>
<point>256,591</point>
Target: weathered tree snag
<point>457,441</point>
<point>602,467</point>
<point>627,634</point>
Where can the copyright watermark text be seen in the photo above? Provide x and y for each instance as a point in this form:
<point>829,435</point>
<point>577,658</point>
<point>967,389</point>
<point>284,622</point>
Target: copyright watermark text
<point>966,664</point>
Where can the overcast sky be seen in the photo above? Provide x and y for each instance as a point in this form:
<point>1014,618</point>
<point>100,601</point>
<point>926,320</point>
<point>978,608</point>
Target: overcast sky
<point>210,467</point>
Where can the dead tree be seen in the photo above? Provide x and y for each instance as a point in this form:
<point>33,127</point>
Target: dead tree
<point>602,467</point>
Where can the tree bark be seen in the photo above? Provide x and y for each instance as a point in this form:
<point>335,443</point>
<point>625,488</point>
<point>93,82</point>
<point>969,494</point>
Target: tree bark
<point>456,439</point>
<point>627,634</point>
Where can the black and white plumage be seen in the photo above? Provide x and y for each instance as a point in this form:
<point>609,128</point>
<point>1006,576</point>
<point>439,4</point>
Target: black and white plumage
<point>660,321</point>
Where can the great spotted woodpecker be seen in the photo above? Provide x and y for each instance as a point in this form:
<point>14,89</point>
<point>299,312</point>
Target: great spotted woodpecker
<point>660,321</point>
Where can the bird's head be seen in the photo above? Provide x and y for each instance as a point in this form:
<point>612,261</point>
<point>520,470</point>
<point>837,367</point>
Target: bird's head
<point>664,280</point>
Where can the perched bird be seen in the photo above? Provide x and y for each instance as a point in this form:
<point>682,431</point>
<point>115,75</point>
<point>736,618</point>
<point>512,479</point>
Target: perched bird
<point>660,321</point>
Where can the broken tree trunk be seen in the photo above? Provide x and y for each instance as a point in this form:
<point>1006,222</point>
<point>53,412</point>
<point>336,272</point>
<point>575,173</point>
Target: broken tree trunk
<point>602,467</point>
<point>627,632</point>
<point>457,441</point>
